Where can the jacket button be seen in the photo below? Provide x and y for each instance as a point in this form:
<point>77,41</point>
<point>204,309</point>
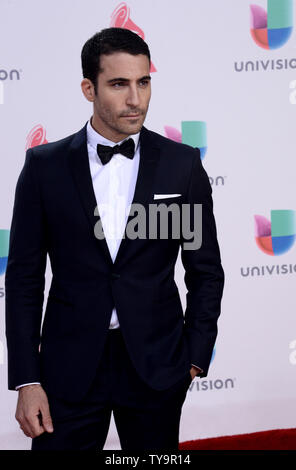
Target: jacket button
<point>115,276</point>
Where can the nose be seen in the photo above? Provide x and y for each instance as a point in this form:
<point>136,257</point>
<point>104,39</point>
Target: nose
<point>133,96</point>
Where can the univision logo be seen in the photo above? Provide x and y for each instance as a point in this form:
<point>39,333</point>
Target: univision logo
<point>277,235</point>
<point>13,74</point>
<point>274,237</point>
<point>213,354</point>
<point>7,75</point>
<point>206,385</point>
<point>271,29</point>
<point>217,384</point>
<point>194,133</point>
<point>4,245</point>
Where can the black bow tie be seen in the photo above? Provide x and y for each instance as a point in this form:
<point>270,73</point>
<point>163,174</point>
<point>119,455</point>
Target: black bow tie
<point>105,152</point>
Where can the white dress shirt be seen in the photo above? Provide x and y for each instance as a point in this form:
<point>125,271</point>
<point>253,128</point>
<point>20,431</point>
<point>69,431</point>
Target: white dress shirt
<point>114,186</point>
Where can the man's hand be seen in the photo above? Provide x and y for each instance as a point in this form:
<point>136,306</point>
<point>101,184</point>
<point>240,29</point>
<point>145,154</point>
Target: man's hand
<point>194,371</point>
<point>32,411</point>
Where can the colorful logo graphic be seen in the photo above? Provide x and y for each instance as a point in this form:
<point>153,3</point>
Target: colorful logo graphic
<point>193,133</point>
<point>4,245</point>
<point>36,136</point>
<point>213,355</point>
<point>120,18</point>
<point>273,28</point>
<point>276,236</point>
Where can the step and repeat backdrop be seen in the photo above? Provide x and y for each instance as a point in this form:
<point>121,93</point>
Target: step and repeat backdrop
<point>224,80</point>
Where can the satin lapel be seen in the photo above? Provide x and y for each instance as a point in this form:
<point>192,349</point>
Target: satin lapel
<point>149,156</point>
<point>79,166</point>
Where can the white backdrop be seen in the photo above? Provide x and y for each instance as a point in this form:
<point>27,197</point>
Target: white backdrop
<point>198,49</point>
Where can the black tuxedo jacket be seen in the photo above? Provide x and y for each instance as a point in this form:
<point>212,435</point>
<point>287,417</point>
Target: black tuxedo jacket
<point>54,214</point>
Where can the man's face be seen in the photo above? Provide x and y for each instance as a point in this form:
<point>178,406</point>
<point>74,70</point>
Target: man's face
<point>123,95</point>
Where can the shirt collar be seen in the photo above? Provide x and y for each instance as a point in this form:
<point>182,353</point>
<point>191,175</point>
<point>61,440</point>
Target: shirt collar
<point>94,138</point>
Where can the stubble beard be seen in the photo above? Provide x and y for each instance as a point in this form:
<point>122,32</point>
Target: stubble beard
<point>112,121</point>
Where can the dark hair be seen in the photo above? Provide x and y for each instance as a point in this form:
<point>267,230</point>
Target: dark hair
<point>108,41</point>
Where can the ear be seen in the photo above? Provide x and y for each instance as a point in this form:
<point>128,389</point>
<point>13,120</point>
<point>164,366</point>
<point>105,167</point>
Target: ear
<point>88,89</point>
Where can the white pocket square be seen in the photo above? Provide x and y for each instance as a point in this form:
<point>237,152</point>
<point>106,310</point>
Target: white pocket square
<point>165,196</point>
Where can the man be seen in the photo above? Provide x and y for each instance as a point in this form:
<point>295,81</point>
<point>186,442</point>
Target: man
<point>113,336</point>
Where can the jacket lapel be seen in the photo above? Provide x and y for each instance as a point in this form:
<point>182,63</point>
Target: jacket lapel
<point>79,167</point>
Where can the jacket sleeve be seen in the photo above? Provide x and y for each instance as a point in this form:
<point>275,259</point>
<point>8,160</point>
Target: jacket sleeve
<point>204,275</point>
<point>25,278</point>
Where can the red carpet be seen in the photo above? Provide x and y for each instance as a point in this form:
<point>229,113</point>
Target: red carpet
<point>279,439</point>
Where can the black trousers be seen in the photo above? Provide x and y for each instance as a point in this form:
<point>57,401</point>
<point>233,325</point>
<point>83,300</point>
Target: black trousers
<point>146,419</point>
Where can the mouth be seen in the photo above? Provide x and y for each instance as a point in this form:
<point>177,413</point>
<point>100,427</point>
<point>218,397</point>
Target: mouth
<point>132,116</point>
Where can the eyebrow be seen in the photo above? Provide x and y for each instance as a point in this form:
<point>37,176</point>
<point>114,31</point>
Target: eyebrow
<point>121,79</point>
